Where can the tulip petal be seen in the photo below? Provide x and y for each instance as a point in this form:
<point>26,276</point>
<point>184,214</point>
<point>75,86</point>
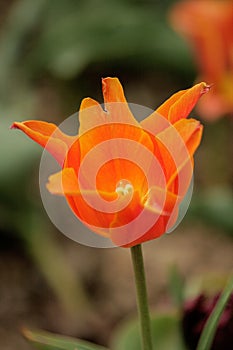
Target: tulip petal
<point>123,228</point>
<point>64,182</point>
<point>185,134</point>
<point>155,123</point>
<point>86,205</point>
<point>191,132</point>
<point>91,115</point>
<point>111,142</point>
<point>113,90</point>
<point>97,125</point>
<point>179,105</point>
<point>165,108</point>
<point>115,102</point>
<point>47,135</point>
<point>160,201</point>
<point>150,221</point>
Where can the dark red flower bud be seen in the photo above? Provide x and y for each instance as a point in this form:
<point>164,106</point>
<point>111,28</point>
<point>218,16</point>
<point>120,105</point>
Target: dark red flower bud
<point>195,315</point>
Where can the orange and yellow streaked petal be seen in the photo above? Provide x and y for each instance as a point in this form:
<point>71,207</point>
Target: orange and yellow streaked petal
<point>179,105</point>
<point>47,135</point>
<point>191,132</point>
<point>91,115</point>
<point>115,102</point>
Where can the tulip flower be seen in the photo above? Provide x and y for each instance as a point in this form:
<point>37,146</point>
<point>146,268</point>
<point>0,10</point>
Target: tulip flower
<point>208,27</point>
<point>123,179</point>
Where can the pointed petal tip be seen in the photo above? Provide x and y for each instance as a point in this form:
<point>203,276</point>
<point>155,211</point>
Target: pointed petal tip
<point>15,125</point>
<point>54,184</point>
<point>108,79</point>
<point>205,88</point>
<point>88,102</point>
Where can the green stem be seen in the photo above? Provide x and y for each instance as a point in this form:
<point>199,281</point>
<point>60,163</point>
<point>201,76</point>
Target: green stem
<point>208,332</point>
<point>142,301</point>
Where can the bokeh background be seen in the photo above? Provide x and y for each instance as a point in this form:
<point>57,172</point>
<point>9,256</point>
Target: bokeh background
<point>53,54</point>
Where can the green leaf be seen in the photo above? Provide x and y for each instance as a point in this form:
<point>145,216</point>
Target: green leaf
<point>166,334</point>
<point>48,341</point>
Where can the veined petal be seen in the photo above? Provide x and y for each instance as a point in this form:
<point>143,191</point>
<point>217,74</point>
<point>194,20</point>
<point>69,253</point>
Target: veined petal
<point>161,201</point>
<point>115,102</point>
<point>103,148</point>
<point>181,141</point>
<point>97,125</point>
<point>91,115</point>
<point>64,182</point>
<point>149,223</point>
<point>179,105</point>
<point>114,171</point>
<point>185,134</point>
<point>47,135</point>
<point>165,108</point>
<point>113,90</point>
<point>95,208</point>
<point>191,132</point>
<point>155,123</point>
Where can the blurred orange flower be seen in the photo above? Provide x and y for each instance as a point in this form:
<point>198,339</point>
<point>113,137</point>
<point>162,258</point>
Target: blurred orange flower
<point>208,25</point>
<point>123,179</point>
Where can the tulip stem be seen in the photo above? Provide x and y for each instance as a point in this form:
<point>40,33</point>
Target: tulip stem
<point>142,300</point>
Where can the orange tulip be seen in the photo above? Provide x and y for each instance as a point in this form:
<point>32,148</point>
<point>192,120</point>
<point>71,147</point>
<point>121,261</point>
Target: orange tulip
<point>123,179</point>
<point>208,26</point>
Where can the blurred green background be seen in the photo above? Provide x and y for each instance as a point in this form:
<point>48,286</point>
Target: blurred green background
<point>52,54</point>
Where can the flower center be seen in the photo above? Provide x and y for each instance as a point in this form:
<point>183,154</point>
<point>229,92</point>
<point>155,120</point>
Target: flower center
<point>124,187</point>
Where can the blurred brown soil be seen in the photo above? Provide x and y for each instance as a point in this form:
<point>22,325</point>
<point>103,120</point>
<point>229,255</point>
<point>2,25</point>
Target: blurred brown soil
<point>5,7</point>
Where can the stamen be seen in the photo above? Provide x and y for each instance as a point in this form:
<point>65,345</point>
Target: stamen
<point>124,187</point>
